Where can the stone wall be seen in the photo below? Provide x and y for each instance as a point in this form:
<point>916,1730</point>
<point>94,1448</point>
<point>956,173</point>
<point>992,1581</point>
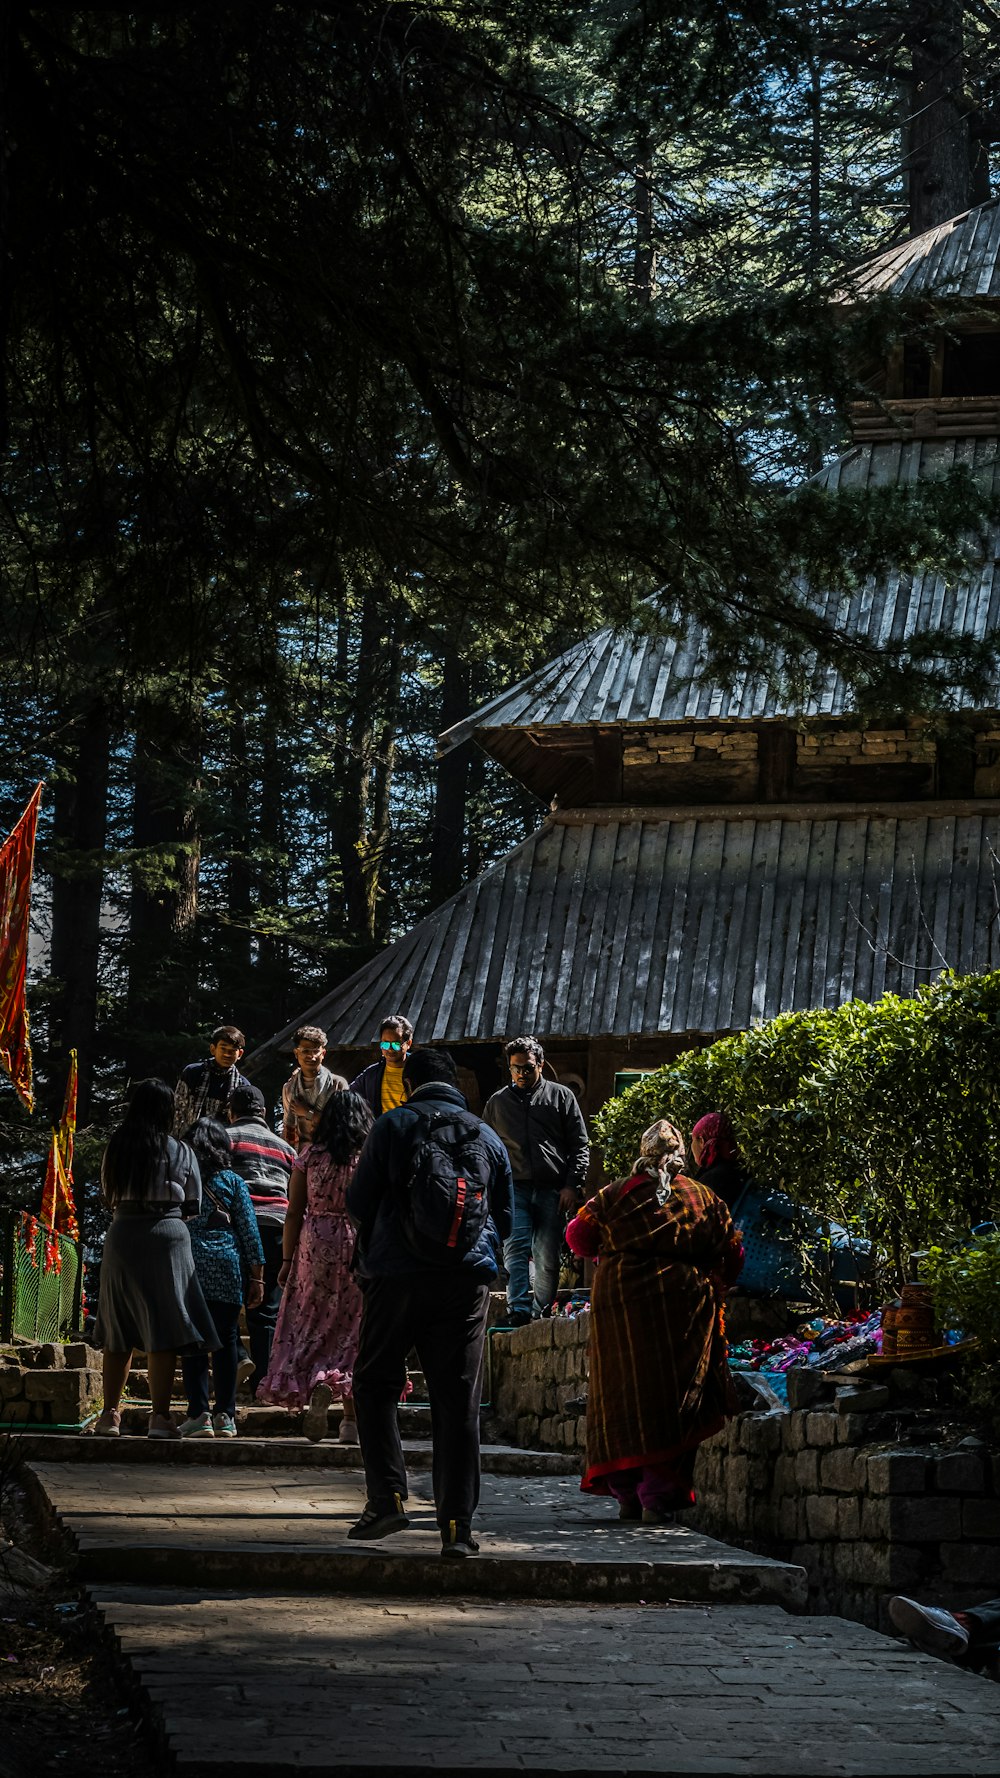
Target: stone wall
<point>832,1487</point>
<point>537,1383</point>
<point>863,1520</point>
<point>49,1385</point>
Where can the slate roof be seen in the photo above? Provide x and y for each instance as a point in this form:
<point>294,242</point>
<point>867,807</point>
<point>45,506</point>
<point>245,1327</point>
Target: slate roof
<point>961,257</point>
<point>620,676</point>
<point>610,923</point>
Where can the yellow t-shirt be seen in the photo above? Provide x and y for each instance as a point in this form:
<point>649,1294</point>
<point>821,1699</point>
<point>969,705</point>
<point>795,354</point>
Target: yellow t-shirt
<point>393,1091</point>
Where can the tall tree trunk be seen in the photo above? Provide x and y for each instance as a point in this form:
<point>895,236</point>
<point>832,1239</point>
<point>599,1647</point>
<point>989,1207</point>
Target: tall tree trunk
<point>80,824</point>
<point>644,256</point>
<point>451,781</point>
<point>239,869</point>
<point>163,978</point>
<point>939,154</point>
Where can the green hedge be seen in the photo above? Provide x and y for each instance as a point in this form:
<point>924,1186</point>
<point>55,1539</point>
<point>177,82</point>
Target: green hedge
<point>885,1116</point>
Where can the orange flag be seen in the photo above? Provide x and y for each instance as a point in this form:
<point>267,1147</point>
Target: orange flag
<point>17,859</point>
<point>58,1208</point>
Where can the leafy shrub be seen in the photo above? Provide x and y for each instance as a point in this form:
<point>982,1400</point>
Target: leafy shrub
<point>884,1116</point>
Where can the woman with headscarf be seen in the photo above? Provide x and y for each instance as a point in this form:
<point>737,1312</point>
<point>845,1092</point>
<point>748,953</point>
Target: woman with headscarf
<point>716,1159</point>
<point>659,1380</point>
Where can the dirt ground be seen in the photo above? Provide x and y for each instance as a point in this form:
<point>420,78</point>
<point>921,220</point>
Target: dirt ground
<point>63,1704</point>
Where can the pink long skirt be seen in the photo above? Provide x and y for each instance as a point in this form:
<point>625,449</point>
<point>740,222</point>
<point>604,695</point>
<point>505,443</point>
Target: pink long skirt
<point>316,1339</point>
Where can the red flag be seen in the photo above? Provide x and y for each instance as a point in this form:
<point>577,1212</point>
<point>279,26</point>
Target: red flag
<point>58,1209</point>
<point>17,859</point>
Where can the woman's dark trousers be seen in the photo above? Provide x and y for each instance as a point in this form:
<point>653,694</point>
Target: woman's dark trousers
<point>194,1367</point>
<point>444,1316</point>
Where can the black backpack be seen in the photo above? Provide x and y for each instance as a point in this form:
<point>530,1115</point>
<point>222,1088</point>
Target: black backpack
<point>444,1205</point>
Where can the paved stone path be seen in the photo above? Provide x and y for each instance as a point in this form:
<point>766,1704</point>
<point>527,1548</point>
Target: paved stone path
<point>279,1685</point>
<point>287,1528</point>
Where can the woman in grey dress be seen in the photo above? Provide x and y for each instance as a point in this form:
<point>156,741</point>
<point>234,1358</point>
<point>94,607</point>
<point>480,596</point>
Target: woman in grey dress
<point>150,1298</point>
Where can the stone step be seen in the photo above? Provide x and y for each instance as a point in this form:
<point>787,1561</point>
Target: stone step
<point>539,1539</point>
<point>138,1387</point>
<point>257,1421</point>
<point>263,1453</point>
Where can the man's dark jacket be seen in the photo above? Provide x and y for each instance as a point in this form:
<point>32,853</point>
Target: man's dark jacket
<point>382,1176</point>
<point>543,1132</point>
<point>369,1084</point>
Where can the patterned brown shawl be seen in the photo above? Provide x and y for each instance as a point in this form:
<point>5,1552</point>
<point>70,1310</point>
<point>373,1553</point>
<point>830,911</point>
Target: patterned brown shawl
<point>659,1381</point>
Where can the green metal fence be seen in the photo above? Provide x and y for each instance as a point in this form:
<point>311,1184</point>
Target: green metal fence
<point>41,1280</point>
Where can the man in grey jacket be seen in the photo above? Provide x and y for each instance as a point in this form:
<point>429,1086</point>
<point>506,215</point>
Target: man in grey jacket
<point>541,1126</point>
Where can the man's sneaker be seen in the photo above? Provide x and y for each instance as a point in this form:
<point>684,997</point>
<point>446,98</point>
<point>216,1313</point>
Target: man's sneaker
<point>929,1627</point>
<point>314,1421</point>
<point>380,1519</point>
<point>457,1539</point>
<point>244,1371</point>
<point>197,1426</point>
<point>162,1427</point>
<point>519,1318</point>
<point>224,1425</point>
<point>348,1434</point>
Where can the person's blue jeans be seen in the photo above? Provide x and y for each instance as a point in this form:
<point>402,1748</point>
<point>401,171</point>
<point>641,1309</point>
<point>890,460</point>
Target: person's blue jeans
<point>537,1235</point>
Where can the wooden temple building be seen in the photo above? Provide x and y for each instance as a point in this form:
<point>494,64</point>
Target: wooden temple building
<point>714,856</point>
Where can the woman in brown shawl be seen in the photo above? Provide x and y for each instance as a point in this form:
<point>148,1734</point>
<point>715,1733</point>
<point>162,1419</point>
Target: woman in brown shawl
<point>659,1380</point>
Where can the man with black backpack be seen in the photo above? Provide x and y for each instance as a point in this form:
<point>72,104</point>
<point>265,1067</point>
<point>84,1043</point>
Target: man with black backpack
<point>432,1198</point>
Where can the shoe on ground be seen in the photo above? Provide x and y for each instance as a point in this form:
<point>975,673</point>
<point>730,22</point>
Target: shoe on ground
<point>629,1512</point>
<point>314,1421</point>
<point>519,1318</point>
<point>224,1425</point>
<point>108,1424</point>
<point>929,1627</point>
<point>161,1427</point>
<point>380,1519</point>
<point>650,1516</point>
<point>244,1371</point>
<point>195,1426</point>
<point>348,1434</point>
<point>457,1540</point>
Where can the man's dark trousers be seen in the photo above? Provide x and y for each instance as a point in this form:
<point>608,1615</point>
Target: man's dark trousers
<point>443,1315</point>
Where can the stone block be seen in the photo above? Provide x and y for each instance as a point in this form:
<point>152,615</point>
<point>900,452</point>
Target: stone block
<point>849,1518</point>
<point>794,1432</point>
<point>783,1473</point>
<point>857,1429</point>
<point>875,1518</point>
<point>897,1472</point>
<point>821,1428</point>
<point>536,1337</point>
<point>821,1517</point>
<point>959,1472</point>
<point>926,1520</point>
<point>738,1474</point>
<point>79,1356</point>
<point>567,1331</point>
<point>791,1520</point>
<point>842,1470</point>
<point>11,1384</point>
<point>980,1518</point>
<point>51,1356</point>
<point>863,1401</point>
<point>50,1386</point>
<point>807,1471</point>
<point>971,1564</point>
<point>765,1433</point>
<point>15,1410</point>
<point>805,1387</point>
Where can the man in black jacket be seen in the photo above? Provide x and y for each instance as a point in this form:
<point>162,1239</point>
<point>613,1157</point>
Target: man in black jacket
<point>541,1126</point>
<point>418,1294</point>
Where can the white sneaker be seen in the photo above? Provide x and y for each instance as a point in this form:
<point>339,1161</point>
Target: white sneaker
<point>348,1434</point>
<point>244,1371</point>
<point>198,1426</point>
<point>224,1426</point>
<point>162,1427</point>
<point>929,1627</point>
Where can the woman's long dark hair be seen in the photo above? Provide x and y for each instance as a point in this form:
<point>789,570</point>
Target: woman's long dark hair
<point>212,1146</point>
<point>138,1147</point>
<point>344,1123</point>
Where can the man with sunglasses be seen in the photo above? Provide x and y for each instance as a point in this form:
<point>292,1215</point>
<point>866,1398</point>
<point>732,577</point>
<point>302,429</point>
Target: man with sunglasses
<point>541,1126</point>
<point>381,1083</point>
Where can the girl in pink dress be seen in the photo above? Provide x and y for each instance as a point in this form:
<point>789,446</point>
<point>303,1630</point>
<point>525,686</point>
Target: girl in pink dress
<point>316,1338</point>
